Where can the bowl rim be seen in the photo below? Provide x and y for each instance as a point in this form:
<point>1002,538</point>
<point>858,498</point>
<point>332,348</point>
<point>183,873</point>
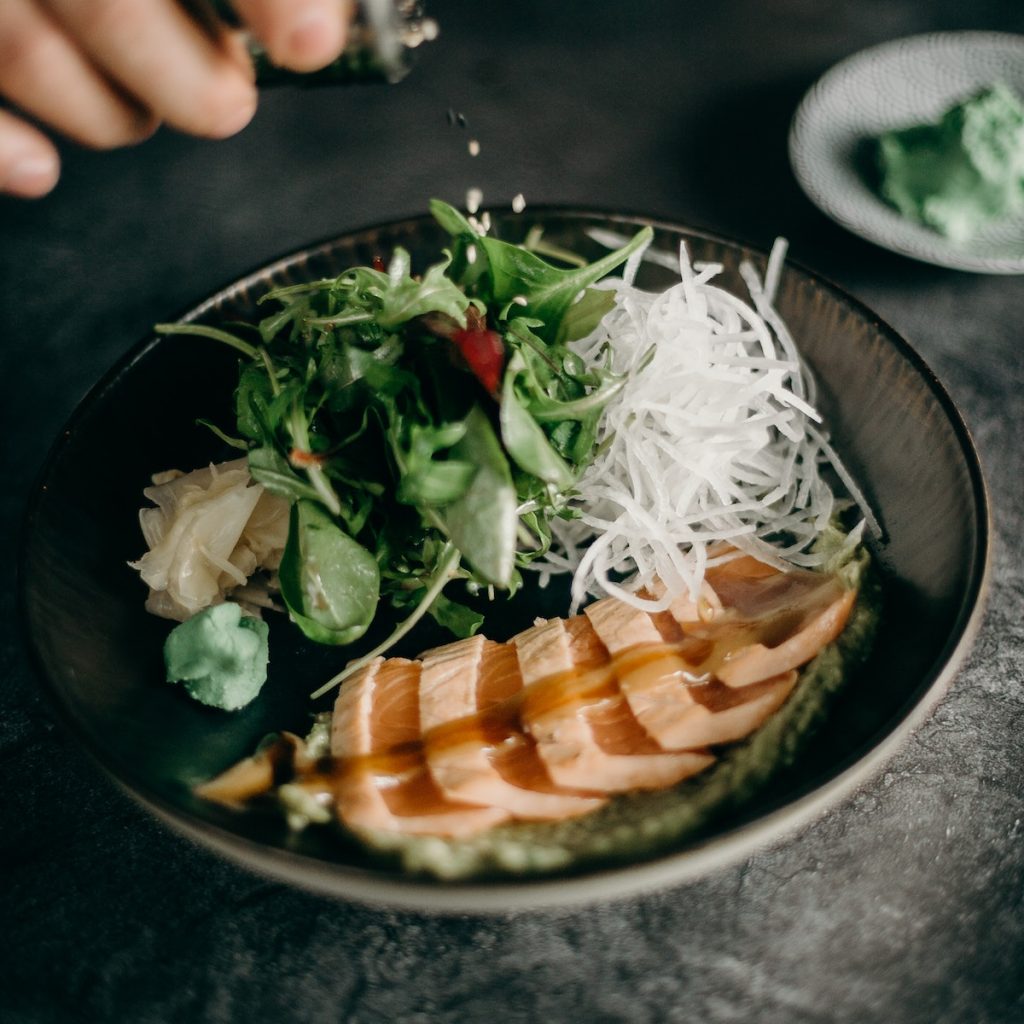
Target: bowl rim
<point>389,889</point>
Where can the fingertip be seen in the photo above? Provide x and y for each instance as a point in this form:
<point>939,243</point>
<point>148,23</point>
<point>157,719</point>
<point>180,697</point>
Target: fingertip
<point>234,116</point>
<point>30,175</point>
<point>224,106</point>
<point>29,165</point>
<point>314,39</point>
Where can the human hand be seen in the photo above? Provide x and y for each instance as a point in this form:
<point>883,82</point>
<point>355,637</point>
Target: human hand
<point>106,73</point>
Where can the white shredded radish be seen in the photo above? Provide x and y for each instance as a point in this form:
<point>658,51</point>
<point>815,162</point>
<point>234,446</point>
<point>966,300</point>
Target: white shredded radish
<point>712,439</point>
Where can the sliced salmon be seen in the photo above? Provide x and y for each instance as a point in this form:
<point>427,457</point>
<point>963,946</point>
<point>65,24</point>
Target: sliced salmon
<point>586,734</point>
<point>470,692</point>
<point>755,662</point>
<point>685,609</point>
<point>384,782</point>
<point>546,726</point>
<point>677,703</point>
<point>256,775</point>
<point>752,590</point>
<point>654,677</point>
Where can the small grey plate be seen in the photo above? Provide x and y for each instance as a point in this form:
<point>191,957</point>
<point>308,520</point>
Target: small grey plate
<point>895,85</point>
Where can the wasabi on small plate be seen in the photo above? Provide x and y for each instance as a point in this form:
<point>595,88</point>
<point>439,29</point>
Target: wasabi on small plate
<point>881,93</point>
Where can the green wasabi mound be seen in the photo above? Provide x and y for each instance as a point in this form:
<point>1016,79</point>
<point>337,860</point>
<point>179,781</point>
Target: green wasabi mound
<point>962,173</point>
<point>219,655</point>
<point>636,825</point>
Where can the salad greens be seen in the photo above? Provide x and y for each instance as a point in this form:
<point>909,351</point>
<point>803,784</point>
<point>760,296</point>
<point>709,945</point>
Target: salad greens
<point>426,428</point>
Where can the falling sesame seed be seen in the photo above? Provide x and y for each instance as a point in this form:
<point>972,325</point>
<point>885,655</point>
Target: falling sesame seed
<point>520,300</point>
<point>474,197</point>
<point>474,147</point>
<point>485,221</point>
<point>471,254</point>
<point>518,203</point>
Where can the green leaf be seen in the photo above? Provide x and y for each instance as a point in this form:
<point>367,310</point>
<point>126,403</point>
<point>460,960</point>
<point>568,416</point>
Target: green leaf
<point>469,262</point>
<point>460,619</point>
<point>450,219</point>
<point>482,523</point>
<point>586,313</point>
<point>330,583</point>
<point>440,483</point>
<point>269,467</point>
<point>525,440</point>
<point>549,291</point>
<point>213,333</point>
<point>270,326</point>
<point>406,298</point>
<point>424,479</point>
<point>233,442</point>
<point>252,396</point>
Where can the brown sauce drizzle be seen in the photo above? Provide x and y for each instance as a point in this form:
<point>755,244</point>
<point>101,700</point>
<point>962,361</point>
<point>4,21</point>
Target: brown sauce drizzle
<point>702,647</point>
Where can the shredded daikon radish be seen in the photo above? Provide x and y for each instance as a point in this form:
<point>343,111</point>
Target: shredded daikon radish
<point>712,439</point>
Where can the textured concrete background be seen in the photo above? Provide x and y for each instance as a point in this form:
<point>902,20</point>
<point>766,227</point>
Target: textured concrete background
<point>902,904</point>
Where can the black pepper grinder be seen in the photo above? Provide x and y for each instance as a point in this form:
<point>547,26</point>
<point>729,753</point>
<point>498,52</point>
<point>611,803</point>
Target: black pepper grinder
<point>382,38</point>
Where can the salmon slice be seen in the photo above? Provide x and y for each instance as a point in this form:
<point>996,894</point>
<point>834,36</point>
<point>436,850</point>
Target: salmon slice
<point>684,609</point>
<point>385,783</point>
<point>733,714</point>
<point>680,707</point>
<point>586,734</point>
<point>752,590</point>
<point>653,676</point>
<point>755,662</point>
<point>470,696</point>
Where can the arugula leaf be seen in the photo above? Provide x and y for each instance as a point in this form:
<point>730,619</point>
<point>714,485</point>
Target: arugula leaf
<point>330,583</point>
<point>586,313</point>
<point>450,219</point>
<point>438,484</point>
<point>523,437</point>
<point>549,291</point>
<point>252,396</point>
<point>482,523</point>
<point>406,298</point>
<point>269,467</point>
<point>462,620</point>
<point>232,442</point>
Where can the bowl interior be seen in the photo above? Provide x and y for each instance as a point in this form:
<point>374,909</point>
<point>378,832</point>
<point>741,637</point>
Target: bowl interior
<point>100,653</point>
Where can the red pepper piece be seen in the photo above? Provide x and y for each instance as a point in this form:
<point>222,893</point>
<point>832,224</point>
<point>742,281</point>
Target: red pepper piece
<point>305,460</point>
<point>484,352</point>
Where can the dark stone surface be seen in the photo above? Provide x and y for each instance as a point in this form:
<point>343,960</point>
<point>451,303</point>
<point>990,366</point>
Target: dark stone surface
<point>904,903</point>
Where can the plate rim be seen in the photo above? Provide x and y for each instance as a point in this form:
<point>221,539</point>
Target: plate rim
<point>415,893</point>
<point>932,248</point>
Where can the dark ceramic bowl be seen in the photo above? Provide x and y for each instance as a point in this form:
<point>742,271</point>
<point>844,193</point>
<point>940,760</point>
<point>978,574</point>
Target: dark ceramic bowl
<point>99,653</point>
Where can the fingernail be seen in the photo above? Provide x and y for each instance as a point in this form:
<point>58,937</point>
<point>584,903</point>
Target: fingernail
<point>310,33</point>
<point>31,176</point>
